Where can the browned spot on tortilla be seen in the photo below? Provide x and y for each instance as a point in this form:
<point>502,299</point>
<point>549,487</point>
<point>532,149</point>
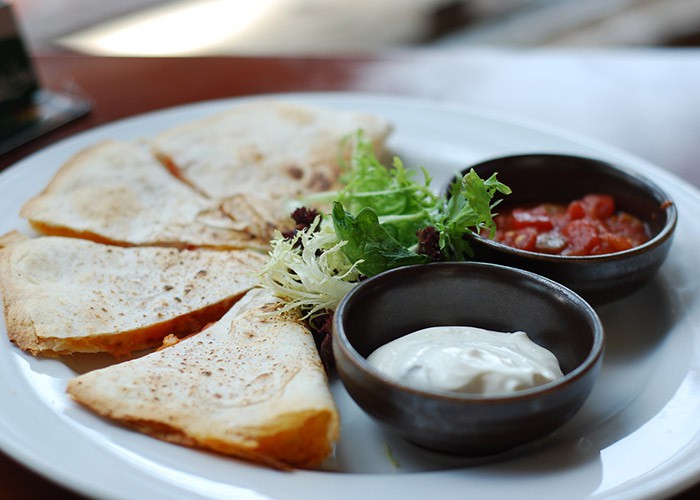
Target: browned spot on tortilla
<point>319,182</point>
<point>295,172</point>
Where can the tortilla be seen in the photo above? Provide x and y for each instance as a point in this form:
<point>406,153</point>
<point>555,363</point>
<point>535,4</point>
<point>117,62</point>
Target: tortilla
<point>119,193</point>
<point>67,295</point>
<point>281,149</point>
<point>250,386</point>
<point>225,181</point>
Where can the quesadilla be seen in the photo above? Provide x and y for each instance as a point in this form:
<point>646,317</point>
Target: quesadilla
<point>119,193</point>
<point>250,386</point>
<point>284,150</point>
<point>66,295</point>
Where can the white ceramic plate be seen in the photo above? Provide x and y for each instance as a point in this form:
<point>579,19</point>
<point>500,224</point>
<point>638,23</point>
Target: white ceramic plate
<point>636,436</point>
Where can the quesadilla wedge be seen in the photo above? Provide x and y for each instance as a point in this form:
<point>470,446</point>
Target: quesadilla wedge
<point>66,295</point>
<point>251,386</point>
<point>119,193</point>
<point>282,149</point>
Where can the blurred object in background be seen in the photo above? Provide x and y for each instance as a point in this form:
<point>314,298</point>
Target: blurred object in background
<point>582,23</point>
<point>43,21</point>
<point>259,27</point>
<point>26,110</point>
<point>286,27</point>
<point>17,79</point>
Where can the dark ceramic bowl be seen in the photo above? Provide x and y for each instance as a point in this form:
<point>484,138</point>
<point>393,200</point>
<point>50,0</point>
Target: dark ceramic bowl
<point>537,178</point>
<point>489,296</point>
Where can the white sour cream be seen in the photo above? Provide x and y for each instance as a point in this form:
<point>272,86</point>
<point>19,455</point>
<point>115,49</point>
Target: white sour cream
<point>467,359</point>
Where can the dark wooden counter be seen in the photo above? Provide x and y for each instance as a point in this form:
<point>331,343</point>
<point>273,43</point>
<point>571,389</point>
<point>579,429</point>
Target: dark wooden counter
<point>645,102</point>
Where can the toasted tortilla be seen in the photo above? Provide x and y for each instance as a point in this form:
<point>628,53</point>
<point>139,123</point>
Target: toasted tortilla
<point>250,386</point>
<point>66,295</point>
<point>280,149</point>
<point>118,193</point>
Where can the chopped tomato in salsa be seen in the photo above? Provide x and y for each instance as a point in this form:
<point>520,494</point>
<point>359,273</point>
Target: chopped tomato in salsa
<point>589,226</point>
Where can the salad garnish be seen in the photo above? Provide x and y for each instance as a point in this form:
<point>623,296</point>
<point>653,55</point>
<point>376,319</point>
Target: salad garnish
<point>382,218</point>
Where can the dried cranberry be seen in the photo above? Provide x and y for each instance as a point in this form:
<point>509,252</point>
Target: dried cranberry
<point>429,242</point>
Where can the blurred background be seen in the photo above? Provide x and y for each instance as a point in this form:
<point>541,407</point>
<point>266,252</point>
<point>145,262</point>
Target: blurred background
<point>296,27</point>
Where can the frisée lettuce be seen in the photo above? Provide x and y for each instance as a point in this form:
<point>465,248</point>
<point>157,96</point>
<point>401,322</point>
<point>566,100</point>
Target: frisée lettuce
<point>310,269</point>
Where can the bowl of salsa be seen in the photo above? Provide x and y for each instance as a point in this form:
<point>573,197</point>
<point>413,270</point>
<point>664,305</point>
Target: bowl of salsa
<point>592,226</point>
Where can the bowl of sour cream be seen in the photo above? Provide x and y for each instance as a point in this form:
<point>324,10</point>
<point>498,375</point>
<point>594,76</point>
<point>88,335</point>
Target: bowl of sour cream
<point>467,358</point>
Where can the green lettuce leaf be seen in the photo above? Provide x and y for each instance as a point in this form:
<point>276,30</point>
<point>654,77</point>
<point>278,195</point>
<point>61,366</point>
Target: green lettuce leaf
<point>367,241</point>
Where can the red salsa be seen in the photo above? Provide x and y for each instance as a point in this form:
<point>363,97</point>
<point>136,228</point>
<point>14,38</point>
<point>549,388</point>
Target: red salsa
<point>589,226</point>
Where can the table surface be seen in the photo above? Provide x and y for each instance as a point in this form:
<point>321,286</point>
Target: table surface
<point>644,101</point>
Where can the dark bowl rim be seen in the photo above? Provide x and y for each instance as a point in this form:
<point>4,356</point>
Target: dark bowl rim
<point>361,363</point>
<point>650,186</point>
